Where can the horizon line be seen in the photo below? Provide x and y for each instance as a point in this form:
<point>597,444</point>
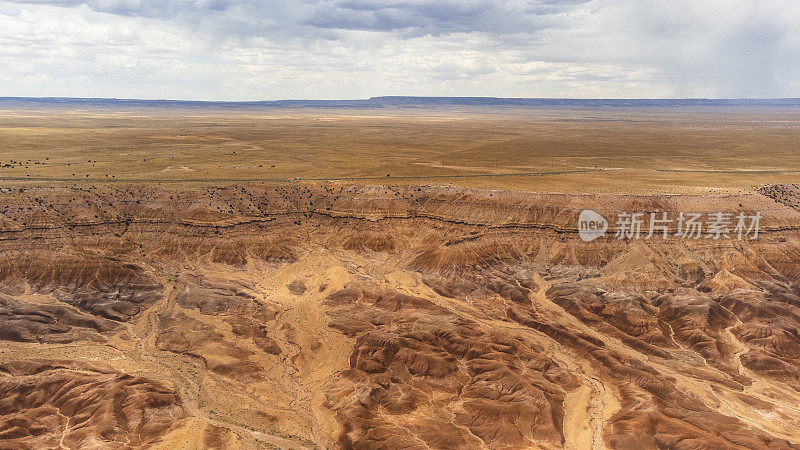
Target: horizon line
<point>379,97</point>
<point>401,102</point>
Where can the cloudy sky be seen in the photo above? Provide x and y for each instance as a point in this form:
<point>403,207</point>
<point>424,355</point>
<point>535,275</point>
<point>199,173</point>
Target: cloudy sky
<point>343,49</point>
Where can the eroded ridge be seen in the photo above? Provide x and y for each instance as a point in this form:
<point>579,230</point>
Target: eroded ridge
<point>329,315</point>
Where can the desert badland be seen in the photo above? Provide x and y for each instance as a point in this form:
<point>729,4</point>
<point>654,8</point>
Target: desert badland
<point>202,277</point>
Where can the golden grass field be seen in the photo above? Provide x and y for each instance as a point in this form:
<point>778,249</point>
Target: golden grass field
<point>626,150</point>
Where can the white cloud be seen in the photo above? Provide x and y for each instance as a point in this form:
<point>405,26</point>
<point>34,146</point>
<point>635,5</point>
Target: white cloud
<point>271,49</point>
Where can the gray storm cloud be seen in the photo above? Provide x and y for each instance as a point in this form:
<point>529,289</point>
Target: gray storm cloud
<point>249,49</point>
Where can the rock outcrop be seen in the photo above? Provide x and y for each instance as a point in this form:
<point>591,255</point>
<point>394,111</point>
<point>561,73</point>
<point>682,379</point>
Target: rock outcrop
<point>345,316</point>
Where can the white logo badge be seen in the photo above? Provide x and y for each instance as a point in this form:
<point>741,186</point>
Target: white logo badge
<point>591,225</point>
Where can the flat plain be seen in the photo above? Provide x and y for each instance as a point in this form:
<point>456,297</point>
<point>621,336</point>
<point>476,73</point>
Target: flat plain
<point>599,150</point>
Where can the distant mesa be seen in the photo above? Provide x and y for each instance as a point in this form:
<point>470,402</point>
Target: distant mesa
<point>397,102</point>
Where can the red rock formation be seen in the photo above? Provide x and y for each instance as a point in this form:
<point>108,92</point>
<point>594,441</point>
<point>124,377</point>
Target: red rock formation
<point>383,317</point>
